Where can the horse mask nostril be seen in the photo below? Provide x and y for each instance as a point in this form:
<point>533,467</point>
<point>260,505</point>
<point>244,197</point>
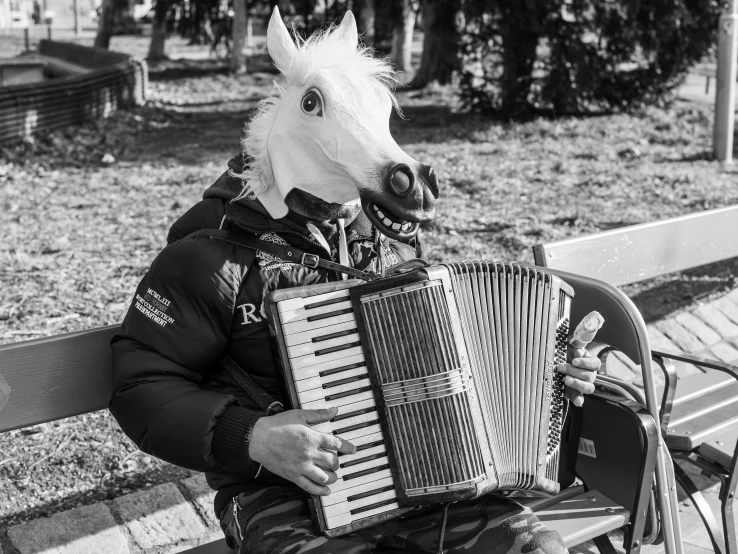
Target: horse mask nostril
<point>402,180</point>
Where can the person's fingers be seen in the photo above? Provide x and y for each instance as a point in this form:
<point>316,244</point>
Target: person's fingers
<point>318,475</point>
<point>592,364</point>
<point>574,397</point>
<point>583,387</point>
<point>313,417</point>
<point>309,486</point>
<point>331,442</point>
<point>582,374</point>
<point>327,460</point>
<point>580,353</point>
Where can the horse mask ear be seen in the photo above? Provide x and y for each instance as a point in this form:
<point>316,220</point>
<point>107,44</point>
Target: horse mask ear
<point>279,42</point>
<point>347,32</point>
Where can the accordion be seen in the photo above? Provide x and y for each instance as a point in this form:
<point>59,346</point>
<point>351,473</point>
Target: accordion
<point>444,379</point>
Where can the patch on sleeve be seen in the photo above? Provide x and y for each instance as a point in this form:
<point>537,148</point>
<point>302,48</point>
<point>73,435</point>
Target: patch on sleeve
<point>153,305</point>
<point>268,261</point>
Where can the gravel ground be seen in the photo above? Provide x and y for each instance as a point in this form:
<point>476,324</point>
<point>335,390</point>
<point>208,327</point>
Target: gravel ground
<point>85,210</point>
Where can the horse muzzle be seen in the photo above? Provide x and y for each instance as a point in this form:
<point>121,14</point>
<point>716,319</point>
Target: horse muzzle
<point>406,199</point>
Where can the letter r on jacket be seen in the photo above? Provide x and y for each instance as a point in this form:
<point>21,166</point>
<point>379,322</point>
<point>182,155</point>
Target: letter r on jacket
<point>247,310</point>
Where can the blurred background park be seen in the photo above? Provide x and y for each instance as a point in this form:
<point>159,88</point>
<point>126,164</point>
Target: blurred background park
<point>544,119</point>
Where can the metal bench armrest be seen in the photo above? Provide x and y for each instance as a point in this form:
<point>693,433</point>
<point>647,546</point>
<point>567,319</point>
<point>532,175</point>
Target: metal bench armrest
<point>670,380</point>
<point>702,362</point>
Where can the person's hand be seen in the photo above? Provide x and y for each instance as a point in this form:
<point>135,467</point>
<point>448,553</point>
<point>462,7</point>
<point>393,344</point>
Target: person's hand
<point>287,446</point>
<point>580,375</point>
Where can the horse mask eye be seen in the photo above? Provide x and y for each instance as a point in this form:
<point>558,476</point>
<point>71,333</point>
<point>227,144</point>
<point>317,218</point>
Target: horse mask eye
<point>312,103</point>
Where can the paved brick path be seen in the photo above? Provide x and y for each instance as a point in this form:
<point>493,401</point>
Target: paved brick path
<point>173,517</point>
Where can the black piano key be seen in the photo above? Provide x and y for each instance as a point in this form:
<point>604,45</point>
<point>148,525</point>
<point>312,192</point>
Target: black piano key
<point>337,348</point>
<point>365,459</point>
<point>359,496</point>
<point>335,335</point>
<point>365,472</point>
<point>372,506</point>
<point>352,414</point>
<point>347,393</point>
<point>329,314</point>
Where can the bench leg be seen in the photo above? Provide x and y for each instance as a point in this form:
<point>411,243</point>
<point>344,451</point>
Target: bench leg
<point>728,501</point>
<point>703,509</point>
<point>604,545</point>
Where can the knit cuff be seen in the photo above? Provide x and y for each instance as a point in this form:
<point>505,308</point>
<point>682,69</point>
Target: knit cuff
<point>231,437</point>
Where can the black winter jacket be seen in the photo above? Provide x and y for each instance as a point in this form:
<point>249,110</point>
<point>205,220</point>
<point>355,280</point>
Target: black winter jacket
<point>203,298</point>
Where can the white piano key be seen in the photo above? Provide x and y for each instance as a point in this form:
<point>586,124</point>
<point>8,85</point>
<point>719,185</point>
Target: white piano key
<point>342,485</point>
<point>309,348</point>
<point>335,510</point>
<point>307,336</point>
<point>309,372</point>
<point>300,302</point>
<point>302,314</point>
<point>338,402</point>
<point>365,439</point>
<point>337,497</point>
<point>345,519</point>
<point>304,326</point>
<point>306,361</point>
<point>318,381</point>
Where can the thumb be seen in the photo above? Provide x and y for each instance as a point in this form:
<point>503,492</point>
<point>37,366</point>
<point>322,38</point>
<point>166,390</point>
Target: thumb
<point>319,416</point>
<point>578,352</point>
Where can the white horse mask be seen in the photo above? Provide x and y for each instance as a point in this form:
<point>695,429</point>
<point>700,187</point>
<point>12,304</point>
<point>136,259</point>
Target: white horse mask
<point>322,139</point>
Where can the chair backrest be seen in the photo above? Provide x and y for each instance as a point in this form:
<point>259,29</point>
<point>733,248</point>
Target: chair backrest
<point>624,327</point>
<point>55,377</point>
<point>639,252</point>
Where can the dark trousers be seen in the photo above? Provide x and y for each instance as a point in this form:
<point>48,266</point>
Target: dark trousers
<point>276,520</point>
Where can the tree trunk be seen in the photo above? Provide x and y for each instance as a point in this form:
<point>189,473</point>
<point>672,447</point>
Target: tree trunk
<point>158,31</point>
<point>440,43</point>
<point>240,20</point>
<point>365,21</point>
<point>402,36</point>
<point>520,37</point>
<point>106,24</point>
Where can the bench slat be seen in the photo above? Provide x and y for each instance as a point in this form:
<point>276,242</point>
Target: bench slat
<point>639,252</point>
<point>584,517</point>
<point>692,433</point>
<point>700,384</point>
<point>684,413</point>
<point>55,377</point>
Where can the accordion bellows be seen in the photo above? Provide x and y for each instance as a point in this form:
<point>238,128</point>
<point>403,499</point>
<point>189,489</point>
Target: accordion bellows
<point>452,369</point>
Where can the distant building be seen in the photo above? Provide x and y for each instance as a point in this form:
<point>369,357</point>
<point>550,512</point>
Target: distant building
<point>18,14</point>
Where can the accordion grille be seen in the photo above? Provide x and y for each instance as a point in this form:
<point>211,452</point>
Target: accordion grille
<point>424,386</point>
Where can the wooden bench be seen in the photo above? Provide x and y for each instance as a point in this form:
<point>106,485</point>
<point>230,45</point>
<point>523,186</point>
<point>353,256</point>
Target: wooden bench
<point>57,377</point>
<point>699,418</point>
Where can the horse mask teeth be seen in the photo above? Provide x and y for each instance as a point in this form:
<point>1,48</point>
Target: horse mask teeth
<point>291,146</point>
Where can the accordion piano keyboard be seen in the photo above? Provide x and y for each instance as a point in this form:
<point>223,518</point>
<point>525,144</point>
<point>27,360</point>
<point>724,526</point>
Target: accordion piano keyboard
<point>328,370</point>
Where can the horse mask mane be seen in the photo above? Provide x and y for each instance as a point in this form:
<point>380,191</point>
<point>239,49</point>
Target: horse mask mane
<point>324,133</point>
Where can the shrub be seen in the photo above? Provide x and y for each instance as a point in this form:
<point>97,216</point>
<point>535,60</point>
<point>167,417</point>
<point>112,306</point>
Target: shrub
<point>580,56</point>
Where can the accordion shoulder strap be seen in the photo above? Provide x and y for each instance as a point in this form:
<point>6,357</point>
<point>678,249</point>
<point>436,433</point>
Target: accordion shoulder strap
<point>252,388</point>
<point>286,253</point>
